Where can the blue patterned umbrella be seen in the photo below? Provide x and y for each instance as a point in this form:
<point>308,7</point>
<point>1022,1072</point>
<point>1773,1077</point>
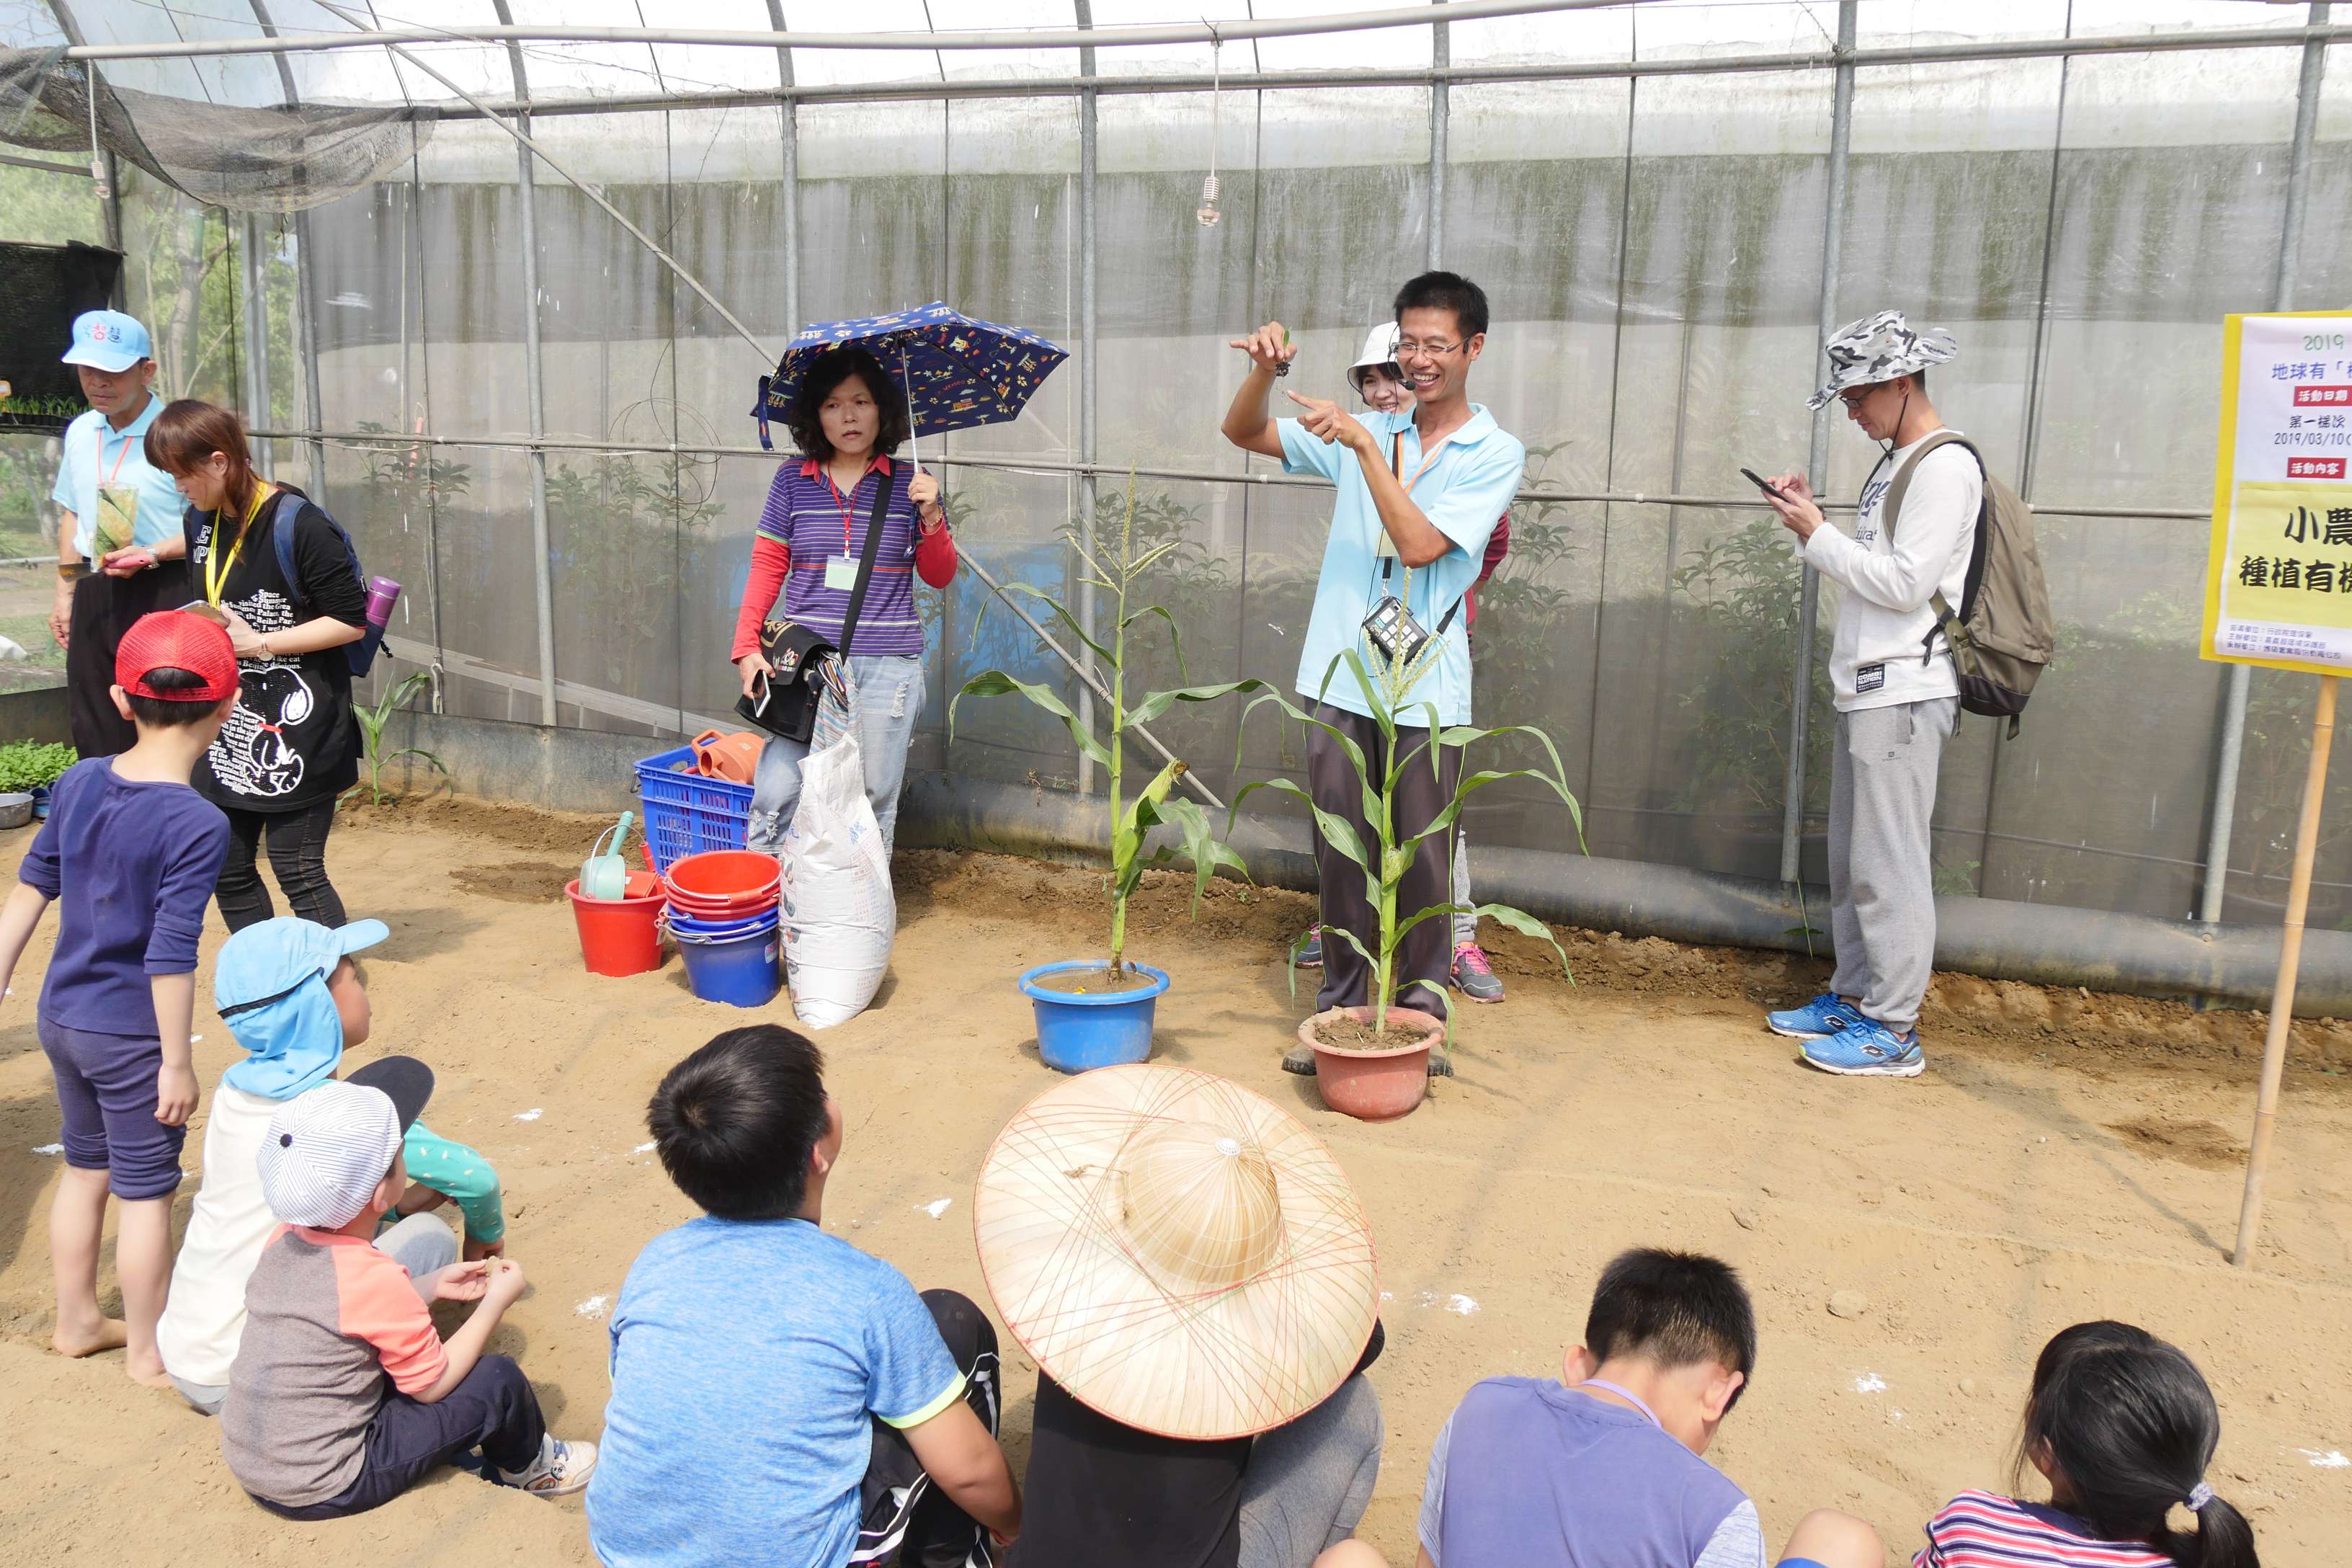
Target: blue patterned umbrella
<point>956,372</point>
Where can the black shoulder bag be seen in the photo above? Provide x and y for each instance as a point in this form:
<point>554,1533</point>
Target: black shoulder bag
<point>786,701</point>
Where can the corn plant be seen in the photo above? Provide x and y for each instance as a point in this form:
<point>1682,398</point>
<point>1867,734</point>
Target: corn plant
<point>372,723</point>
<point>1385,860</point>
<point>1131,818</point>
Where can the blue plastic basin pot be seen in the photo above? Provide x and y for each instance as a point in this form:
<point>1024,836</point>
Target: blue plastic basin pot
<point>1076,1033</point>
<point>739,970</point>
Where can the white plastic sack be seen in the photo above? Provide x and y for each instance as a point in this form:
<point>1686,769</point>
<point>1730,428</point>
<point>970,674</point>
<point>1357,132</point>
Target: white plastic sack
<point>840,916</point>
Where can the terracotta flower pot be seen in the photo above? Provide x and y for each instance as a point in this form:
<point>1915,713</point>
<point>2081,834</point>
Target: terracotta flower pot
<point>1374,1086</point>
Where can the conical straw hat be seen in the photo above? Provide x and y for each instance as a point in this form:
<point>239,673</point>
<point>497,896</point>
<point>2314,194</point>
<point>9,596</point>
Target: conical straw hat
<point>1176,1251</point>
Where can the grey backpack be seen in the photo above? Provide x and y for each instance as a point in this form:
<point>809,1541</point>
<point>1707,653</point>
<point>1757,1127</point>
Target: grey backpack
<point>2003,634</point>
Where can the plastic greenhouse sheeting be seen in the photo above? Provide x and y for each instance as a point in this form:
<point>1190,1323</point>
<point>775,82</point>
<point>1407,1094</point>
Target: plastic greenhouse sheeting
<point>1652,246</point>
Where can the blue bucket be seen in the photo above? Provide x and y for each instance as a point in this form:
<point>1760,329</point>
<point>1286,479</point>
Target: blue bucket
<point>1076,1033</point>
<point>685,928</point>
<point>739,969</point>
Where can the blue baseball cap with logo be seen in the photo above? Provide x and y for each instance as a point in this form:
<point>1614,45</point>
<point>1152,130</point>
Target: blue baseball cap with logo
<point>109,340</point>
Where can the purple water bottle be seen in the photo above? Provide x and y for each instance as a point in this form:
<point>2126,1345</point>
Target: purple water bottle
<point>382,593</point>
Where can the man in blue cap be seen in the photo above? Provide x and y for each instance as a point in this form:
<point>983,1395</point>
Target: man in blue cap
<point>120,549</point>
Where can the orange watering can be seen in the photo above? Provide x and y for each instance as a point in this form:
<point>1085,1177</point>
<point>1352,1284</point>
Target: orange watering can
<point>718,755</point>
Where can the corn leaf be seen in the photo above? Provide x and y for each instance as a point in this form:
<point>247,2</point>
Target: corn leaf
<point>996,683</point>
<point>1140,817</point>
<point>1175,636</point>
<point>1200,847</point>
<point>1158,702</point>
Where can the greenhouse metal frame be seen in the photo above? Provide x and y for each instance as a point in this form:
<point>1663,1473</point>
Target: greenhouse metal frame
<point>1093,468</point>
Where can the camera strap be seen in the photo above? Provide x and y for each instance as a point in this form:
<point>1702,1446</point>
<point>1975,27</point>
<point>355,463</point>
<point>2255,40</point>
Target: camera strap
<point>1388,562</point>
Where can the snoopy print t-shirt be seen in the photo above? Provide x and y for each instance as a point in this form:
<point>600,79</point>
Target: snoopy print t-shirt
<point>291,738</point>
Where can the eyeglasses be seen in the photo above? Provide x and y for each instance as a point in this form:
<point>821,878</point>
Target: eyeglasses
<point>1856,399</point>
<point>1433,349</point>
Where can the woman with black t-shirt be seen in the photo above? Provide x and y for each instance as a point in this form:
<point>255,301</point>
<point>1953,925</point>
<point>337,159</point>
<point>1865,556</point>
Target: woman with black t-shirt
<point>291,745</point>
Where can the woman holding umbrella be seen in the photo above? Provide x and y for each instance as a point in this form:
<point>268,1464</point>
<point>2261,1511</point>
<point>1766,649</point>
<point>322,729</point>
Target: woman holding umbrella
<point>846,420</point>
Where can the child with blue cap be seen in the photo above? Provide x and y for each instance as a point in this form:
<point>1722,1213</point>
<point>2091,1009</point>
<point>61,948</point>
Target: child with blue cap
<point>290,993</point>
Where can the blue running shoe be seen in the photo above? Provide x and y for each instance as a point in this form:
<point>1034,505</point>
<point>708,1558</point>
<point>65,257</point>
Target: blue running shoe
<point>1825,1015</point>
<point>1867,1049</point>
<point>1310,952</point>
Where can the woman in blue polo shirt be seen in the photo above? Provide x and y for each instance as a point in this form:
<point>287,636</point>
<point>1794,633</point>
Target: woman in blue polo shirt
<point>119,553</point>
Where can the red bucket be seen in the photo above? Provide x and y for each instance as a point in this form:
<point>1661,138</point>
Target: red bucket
<point>620,936</point>
<point>724,884</point>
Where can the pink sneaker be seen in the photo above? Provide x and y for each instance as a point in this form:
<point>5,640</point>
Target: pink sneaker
<point>1474,976</point>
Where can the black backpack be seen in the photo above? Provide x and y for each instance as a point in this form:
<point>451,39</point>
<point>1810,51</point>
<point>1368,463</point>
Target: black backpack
<point>362,654</point>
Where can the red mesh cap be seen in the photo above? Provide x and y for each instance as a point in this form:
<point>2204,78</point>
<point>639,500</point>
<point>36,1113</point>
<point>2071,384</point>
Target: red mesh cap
<point>174,639</point>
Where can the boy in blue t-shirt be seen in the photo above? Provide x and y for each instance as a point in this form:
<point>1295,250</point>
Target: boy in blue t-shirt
<point>130,853</point>
<point>778,1395</point>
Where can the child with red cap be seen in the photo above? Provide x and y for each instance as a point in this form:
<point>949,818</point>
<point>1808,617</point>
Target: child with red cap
<point>132,852</point>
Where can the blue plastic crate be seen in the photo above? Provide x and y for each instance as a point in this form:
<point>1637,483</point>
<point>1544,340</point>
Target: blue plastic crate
<point>687,814</point>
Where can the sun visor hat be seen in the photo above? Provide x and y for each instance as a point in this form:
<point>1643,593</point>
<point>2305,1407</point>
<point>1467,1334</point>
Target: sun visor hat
<point>1379,354</point>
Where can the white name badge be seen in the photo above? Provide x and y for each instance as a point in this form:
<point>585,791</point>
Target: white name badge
<point>841,572</point>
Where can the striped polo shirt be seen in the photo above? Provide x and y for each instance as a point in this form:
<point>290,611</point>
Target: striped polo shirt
<point>1978,1529</point>
<point>806,515</point>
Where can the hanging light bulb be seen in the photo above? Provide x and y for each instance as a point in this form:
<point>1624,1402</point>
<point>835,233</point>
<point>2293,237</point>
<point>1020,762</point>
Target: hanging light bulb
<point>1207,212</point>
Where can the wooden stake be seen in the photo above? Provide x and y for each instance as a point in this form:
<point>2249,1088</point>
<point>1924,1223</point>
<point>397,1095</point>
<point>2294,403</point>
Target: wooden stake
<point>2298,894</point>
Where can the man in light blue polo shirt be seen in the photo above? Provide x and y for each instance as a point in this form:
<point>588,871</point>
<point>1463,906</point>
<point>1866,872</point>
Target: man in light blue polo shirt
<point>119,553</point>
<point>1419,492</point>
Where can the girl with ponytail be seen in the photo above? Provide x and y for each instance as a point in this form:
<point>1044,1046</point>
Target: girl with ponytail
<point>2122,1427</point>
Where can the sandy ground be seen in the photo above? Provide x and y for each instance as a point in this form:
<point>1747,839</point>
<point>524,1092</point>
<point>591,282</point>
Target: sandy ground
<point>2066,1156</point>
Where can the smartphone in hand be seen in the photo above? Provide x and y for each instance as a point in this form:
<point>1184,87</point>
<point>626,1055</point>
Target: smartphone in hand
<point>1761,483</point>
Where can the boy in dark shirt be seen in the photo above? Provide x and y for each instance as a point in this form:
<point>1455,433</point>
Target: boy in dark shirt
<point>131,852</point>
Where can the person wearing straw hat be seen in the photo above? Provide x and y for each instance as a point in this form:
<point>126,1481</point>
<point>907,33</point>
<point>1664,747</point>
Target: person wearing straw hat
<point>779,1395</point>
<point>1194,1278</point>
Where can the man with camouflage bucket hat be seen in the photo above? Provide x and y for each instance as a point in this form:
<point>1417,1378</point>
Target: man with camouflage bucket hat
<point>1896,690</point>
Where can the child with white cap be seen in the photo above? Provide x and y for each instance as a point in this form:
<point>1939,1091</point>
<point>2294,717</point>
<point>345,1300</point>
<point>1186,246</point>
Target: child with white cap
<point>311,1429</point>
<point>290,992</point>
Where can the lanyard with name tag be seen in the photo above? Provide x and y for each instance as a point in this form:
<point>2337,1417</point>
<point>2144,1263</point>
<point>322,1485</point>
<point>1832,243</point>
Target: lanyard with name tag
<point>1382,544</point>
<point>841,571</point>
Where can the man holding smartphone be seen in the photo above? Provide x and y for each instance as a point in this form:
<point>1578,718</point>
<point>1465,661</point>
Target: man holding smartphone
<point>1897,692</point>
<point>1418,494</point>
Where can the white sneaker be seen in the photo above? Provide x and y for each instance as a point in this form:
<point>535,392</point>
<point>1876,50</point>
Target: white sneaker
<point>561,1469</point>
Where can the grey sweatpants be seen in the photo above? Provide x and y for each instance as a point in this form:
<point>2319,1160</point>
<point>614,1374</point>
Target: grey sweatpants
<point>1465,925</point>
<point>422,1244</point>
<point>1881,879</point>
<point>1308,1482</point>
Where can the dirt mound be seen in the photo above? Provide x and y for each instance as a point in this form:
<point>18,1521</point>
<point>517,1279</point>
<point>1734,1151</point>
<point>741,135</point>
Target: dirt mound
<point>516,882</point>
<point>517,826</point>
<point>2199,1143</point>
<point>1998,1014</point>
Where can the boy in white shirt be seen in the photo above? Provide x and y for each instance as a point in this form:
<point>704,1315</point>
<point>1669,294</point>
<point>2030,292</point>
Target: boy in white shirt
<point>1897,692</point>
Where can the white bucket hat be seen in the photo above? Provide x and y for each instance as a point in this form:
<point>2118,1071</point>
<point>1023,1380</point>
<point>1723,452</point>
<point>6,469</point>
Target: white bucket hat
<point>1379,350</point>
<point>1178,1252</point>
<point>1880,348</point>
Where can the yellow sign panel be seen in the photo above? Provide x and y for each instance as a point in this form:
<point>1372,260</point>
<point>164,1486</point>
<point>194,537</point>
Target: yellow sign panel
<point>2278,574</point>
